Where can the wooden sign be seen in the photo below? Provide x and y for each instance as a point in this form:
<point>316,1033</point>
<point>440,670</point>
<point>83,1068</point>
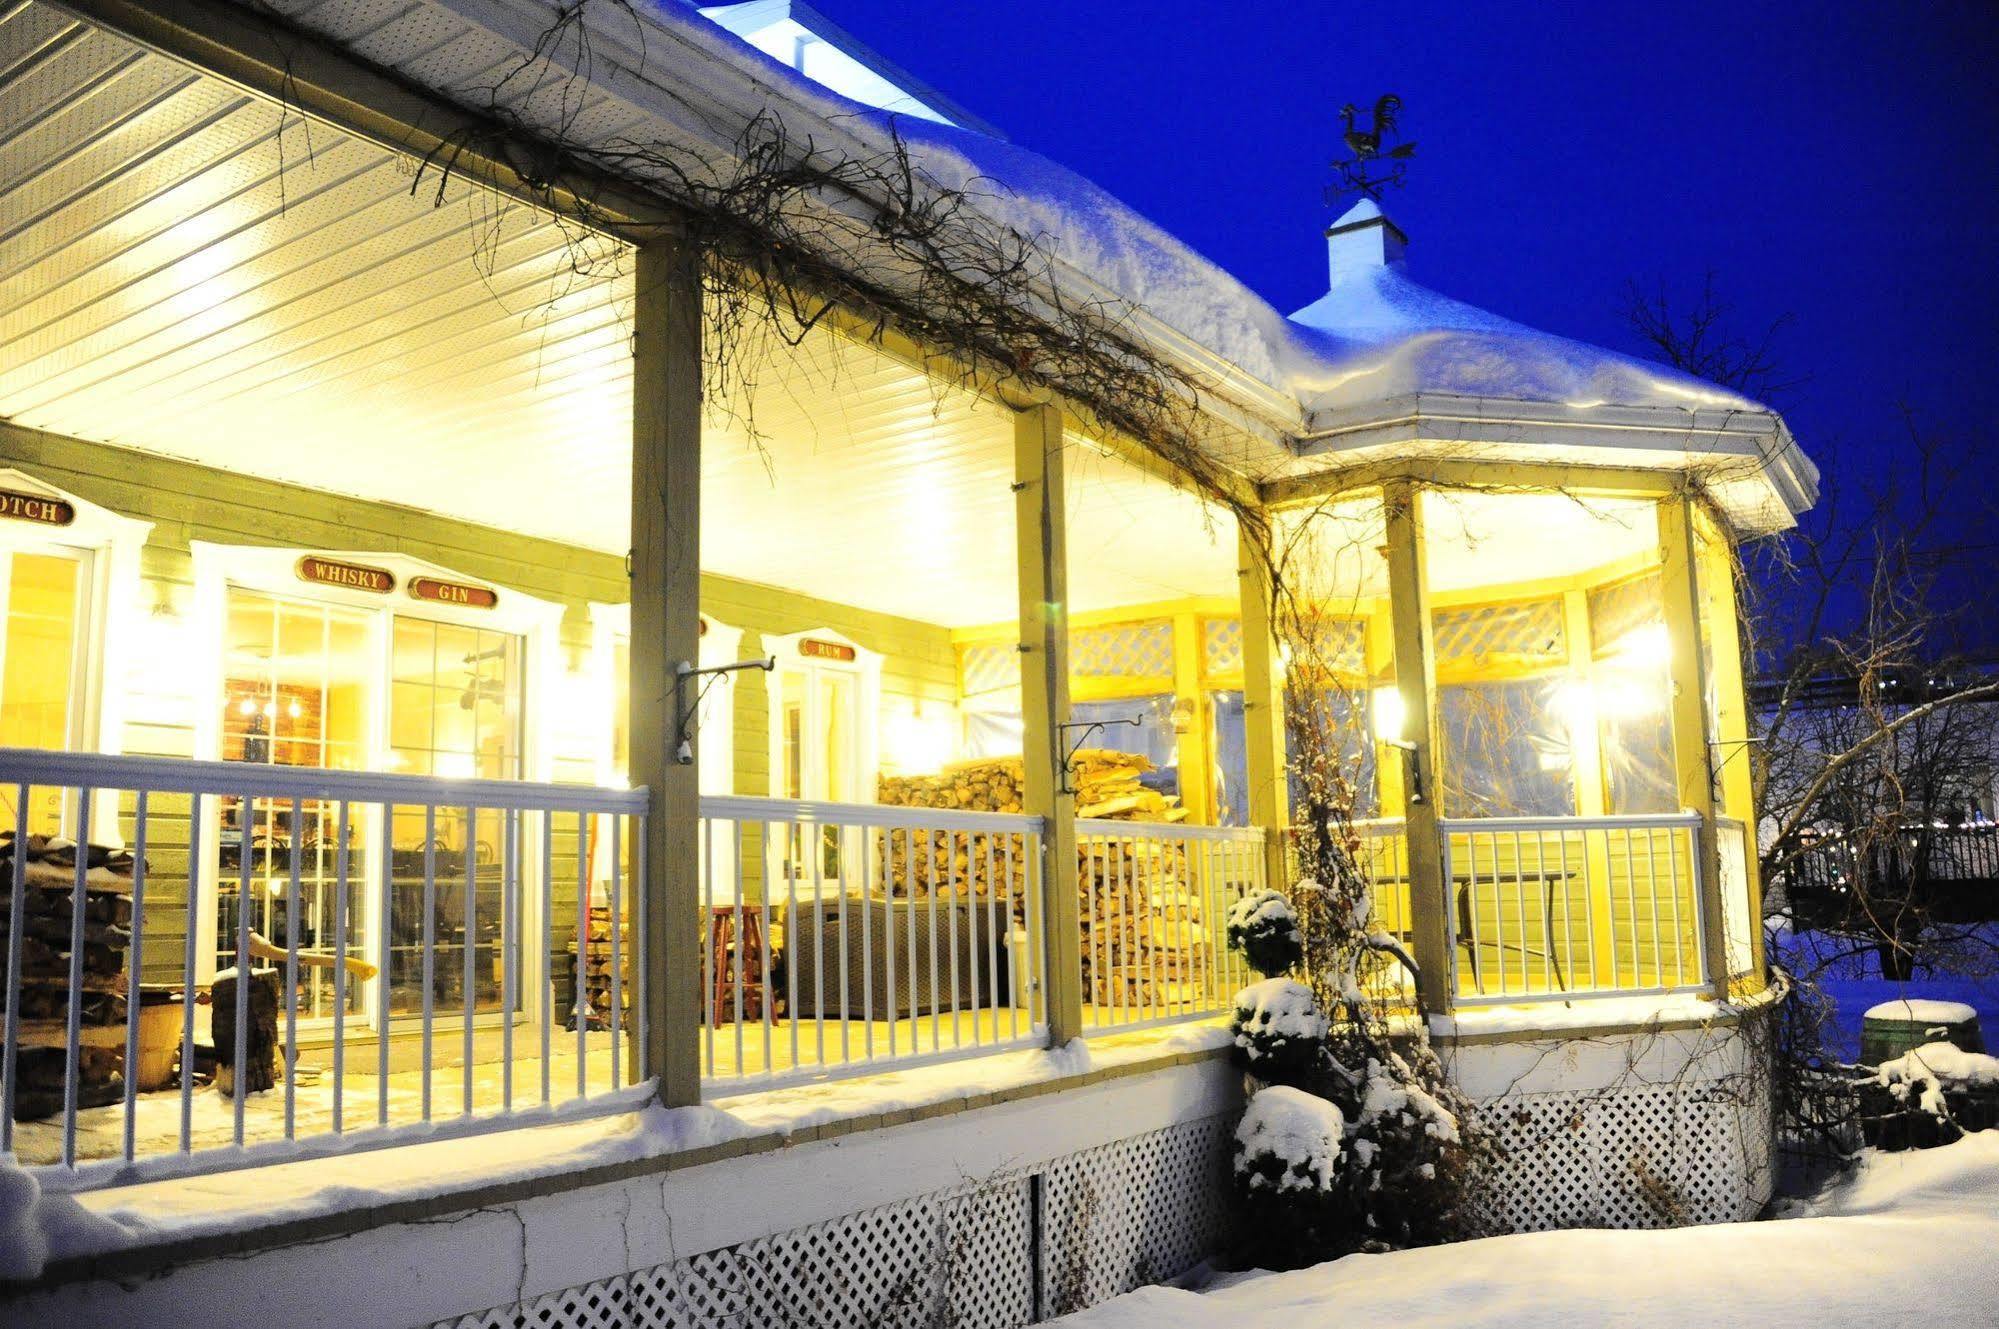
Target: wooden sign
<point>352,576</point>
<point>825,650</point>
<point>35,508</point>
<point>438,591</point>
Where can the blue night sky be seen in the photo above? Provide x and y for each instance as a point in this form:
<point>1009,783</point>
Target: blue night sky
<point>1838,162</point>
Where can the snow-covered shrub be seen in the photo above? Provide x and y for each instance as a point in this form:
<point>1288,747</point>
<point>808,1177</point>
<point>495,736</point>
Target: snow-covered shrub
<point>1410,1159</point>
<point>1264,928</point>
<point>1288,1148</point>
<point>1931,1095</point>
<point>1279,1031</point>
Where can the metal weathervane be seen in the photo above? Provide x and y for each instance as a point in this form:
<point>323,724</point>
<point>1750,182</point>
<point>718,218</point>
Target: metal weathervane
<point>1371,164</point>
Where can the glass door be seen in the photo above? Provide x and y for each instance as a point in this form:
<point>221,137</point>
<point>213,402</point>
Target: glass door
<point>298,689</point>
<point>455,710</point>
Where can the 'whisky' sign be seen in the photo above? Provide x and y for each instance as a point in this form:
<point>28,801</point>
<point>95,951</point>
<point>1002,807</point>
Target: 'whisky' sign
<point>352,576</point>
<point>35,508</point>
<point>438,591</point>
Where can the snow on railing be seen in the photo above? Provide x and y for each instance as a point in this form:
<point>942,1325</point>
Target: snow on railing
<point>1154,909</point>
<point>428,957</point>
<point>839,939</point>
<point>1557,907</point>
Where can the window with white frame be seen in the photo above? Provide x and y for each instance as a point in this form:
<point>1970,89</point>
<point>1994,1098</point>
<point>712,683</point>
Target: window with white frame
<point>368,675</point>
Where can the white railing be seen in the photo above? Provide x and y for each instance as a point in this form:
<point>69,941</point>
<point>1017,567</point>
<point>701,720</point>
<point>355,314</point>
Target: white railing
<point>1560,907</point>
<point>838,939</point>
<point>1154,908</point>
<point>428,956</point>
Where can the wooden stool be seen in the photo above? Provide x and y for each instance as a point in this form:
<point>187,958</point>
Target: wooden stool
<point>722,940</point>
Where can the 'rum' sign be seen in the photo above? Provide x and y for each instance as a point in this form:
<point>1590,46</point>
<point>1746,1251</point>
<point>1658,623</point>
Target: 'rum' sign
<point>35,508</point>
<point>352,576</point>
<point>826,650</point>
<point>439,591</point>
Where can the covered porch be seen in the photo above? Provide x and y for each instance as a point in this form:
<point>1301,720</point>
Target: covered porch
<point>387,647</point>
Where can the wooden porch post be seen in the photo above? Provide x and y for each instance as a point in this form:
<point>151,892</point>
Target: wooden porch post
<point>1729,748</point>
<point>1263,714</point>
<point>666,614</point>
<point>1040,528</point>
<point>1430,896</point>
<point>1694,773</point>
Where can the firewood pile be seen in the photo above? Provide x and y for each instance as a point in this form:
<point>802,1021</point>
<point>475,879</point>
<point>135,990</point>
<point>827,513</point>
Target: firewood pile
<point>1140,915</point>
<point>596,969</point>
<point>47,918</point>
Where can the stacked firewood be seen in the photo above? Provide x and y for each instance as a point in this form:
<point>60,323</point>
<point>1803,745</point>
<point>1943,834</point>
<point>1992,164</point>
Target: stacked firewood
<point>1140,919</point>
<point>47,923</point>
<point>596,969</point>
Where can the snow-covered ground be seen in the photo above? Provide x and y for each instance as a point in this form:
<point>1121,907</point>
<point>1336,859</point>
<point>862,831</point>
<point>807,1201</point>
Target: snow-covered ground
<point>1911,1239</point>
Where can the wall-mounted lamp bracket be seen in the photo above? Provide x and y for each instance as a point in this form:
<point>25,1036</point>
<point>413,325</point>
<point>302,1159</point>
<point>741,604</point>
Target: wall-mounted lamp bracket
<point>686,713</point>
<point>1413,766</point>
<point>1069,752</point>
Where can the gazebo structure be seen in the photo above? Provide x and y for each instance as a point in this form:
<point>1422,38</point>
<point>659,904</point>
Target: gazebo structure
<point>401,609</point>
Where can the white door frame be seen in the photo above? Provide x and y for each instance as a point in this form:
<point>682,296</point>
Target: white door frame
<point>106,649</point>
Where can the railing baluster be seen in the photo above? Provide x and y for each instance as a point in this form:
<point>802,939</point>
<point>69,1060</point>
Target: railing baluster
<point>467,945</point>
<point>193,942</point>
<point>707,925</point>
<point>936,992</point>
<point>16,915</point>
<point>791,941</point>
<point>616,1020</point>
<point>581,1008</point>
<point>134,982</point>
<point>385,991</point>
<point>342,818</point>
<point>292,931</point>
<point>73,1026</point>
<point>510,948</point>
<point>546,945</point>
<point>765,997</point>
<point>876,844</point>
<point>853,861</point>
<point>428,967</point>
<point>1015,981</point>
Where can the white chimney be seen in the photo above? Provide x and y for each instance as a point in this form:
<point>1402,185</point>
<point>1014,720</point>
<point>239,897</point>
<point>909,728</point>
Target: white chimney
<point>1362,239</point>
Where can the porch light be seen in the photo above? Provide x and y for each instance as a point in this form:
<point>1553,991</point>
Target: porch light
<point>1390,715</point>
<point>1647,645</point>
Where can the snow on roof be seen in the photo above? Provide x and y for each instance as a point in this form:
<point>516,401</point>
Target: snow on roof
<point>1380,335</point>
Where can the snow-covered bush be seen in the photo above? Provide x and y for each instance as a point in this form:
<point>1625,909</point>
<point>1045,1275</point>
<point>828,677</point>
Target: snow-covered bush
<point>1288,1148</point>
<point>1279,1031</point>
<point>1264,928</point>
<point>1410,1157</point>
<point>1931,1095</point>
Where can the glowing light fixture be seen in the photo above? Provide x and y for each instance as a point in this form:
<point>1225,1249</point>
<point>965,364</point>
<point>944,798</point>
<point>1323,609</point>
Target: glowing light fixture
<point>1391,716</point>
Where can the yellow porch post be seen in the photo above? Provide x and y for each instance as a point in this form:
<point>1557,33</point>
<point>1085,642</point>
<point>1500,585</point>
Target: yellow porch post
<point>1040,528</point>
<point>666,612</point>
<point>1695,775</point>
<point>1415,679</point>
<point>1263,714</point>
<point>1587,745</point>
<point>1730,750</point>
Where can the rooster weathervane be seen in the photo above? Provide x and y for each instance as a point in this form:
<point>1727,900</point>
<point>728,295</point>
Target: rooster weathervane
<point>1371,164</point>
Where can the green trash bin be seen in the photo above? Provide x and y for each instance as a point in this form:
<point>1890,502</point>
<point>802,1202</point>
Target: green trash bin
<point>1895,1027</point>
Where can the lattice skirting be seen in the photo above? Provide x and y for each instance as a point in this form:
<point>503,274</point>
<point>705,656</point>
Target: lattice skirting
<point>1642,1155</point>
<point>1006,1251</point>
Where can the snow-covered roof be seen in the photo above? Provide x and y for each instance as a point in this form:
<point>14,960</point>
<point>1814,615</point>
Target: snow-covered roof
<point>1380,366</point>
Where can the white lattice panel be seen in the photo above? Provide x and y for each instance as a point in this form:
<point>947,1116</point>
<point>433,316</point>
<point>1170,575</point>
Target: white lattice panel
<point>1633,1156</point>
<point>1111,1219</point>
<point>1139,1211</point>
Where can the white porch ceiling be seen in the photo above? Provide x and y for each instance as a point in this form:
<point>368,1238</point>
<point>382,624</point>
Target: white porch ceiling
<point>186,270</point>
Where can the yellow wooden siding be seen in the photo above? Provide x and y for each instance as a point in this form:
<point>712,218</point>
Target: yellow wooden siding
<point>188,502</point>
